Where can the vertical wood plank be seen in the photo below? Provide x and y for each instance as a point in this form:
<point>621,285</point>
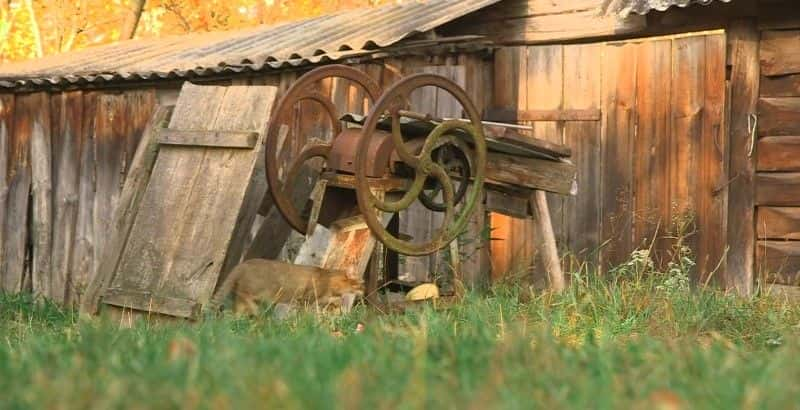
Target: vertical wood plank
<point>15,226</point>
<point>82,261</point>
<point>688,100</point>
<point>67,113</point>
<point>743,37</point>
<point>711,222</point>
<point>582,91</point>
<point>618,129</point>
<point>110,155</point>
<point>652,144</point>
<point>545,91</point>
<point>41,195</point>
<point>124,215</point>
<point>514,253</point>
<point>7,162</point>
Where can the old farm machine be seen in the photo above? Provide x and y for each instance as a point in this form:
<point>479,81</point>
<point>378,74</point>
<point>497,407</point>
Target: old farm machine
<point>377,166</point>
<point>188,210</point>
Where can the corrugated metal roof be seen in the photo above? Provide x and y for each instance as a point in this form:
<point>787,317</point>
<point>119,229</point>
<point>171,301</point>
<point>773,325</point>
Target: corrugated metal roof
<point>326,38</point>
<point>646,6</point>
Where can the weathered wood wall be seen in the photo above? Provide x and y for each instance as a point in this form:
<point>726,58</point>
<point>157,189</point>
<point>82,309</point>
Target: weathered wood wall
<point>63,157</point>
<point>645,120</point>
<point>777,190</point>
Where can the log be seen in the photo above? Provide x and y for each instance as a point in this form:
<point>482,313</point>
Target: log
<point>778,153</point>
<point>778,223</point>
<point>547,241</point>
<point>779,116</point>
<point>779,261</point>
<point>778,189</point>
<point>533,173</point>
<point>780,52</point>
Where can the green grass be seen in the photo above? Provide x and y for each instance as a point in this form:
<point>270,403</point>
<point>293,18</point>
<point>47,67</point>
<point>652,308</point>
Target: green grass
<point>631,341</point>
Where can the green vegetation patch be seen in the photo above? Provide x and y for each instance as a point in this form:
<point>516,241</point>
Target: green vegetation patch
<point>629,340</point>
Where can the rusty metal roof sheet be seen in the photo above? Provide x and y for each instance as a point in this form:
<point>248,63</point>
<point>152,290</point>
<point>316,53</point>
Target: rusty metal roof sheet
<point>646,6</point>
<point>317,40</point>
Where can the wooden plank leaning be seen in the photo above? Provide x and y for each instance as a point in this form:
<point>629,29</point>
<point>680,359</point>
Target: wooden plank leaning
<point>132,192</point>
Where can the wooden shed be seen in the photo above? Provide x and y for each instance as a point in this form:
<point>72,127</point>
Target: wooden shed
<point>675,110</point>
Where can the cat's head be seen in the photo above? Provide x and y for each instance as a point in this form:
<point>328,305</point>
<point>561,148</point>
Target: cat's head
<point>342,284</point>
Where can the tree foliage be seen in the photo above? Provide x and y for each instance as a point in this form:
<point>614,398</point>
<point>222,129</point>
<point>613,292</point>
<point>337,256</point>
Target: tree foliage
<point>31,28</point>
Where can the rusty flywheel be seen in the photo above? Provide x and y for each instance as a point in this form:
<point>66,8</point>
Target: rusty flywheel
<point>458,134</point>
<point>279,151</point>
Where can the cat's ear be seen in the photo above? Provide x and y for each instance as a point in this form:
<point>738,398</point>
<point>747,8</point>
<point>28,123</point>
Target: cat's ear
<point>347,301</point>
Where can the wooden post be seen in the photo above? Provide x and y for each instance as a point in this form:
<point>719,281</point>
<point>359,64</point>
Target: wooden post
<point>745,72</point>
<point>547,240</point>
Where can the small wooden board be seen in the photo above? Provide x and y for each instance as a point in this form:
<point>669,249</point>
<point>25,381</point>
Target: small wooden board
<point>200,201</point>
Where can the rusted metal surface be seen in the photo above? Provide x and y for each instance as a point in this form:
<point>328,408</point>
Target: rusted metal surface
<point>423,164</point>
<point>281,186</point>
<point>628,7</point>
<point>342,157</point>
<point>318,40</point>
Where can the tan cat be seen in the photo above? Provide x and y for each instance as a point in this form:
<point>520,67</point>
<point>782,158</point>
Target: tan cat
<point>265,281</point>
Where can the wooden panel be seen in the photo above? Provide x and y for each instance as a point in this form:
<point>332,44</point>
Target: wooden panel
<point>687,127</point>
<point>783,86</point>
<point>780,52</point>
<point>619,93</point>
<point>41,195</point>
<point>82,262</point>
<point>743,45</point>
<point>778,223</point>
<point>67,112</point>
<point>6,127</point>
<point>143,300</point>
<point>545,91</point>
<point>712,149</point>
<point>173,251</point>
<point>17,184</point>
<point>211,139</point>
<point>779,153</point>
<point>110,159</point>
<point>651,147</point>
<point>779,116</point>
<point>551,176</point>
<point>778,189</point>
<point>135,183</point>
<point>779,261</point>
<point>582,91</point>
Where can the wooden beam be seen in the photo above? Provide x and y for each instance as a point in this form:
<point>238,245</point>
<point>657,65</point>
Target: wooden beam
<point>507,135</point>
<point>778,189</point>
<point>783,86</point>
<point>780,52</point>
<point>511,115</point>
<point>779,116</point>
<point>212,139</point>
<point>778,223</point>
<point>547,241</point>
<point>506,204</point>
<point>533,173</point>
<point>149,302</point>
<point>743,37</point>
<point>779,261</point>
<point>779,153</point>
